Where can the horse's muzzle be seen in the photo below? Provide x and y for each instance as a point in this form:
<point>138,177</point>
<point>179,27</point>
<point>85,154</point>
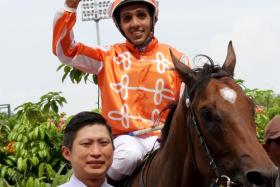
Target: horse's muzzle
<point>259,178</point>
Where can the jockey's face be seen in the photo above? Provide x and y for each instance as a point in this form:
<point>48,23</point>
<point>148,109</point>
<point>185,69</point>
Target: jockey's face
<point>136,23</point>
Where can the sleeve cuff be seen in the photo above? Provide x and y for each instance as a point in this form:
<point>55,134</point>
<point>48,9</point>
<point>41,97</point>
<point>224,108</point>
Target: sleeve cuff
<point>69,9</point>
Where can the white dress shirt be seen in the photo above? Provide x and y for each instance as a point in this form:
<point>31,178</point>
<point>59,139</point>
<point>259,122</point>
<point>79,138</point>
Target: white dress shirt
<point>75,182</point>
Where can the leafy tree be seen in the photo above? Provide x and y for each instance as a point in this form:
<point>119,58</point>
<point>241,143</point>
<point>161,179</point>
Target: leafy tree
<point>32,154</point>
<point>76,75</point>
<point>267,106</point>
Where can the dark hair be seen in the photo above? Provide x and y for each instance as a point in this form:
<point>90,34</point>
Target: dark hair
<point>81,120</point>
<point>150,7</point>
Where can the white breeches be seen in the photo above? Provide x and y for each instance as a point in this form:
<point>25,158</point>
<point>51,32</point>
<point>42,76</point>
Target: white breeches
<point>128,154</point>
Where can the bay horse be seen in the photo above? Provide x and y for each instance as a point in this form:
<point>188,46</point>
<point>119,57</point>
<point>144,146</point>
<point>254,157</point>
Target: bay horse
<point>209,136</point>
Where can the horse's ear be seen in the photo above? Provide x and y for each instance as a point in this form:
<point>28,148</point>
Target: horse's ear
<point>186,74</point>
<point>230,61</point>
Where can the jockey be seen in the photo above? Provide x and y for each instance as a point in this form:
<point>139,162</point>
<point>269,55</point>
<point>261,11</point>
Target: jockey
<point>134,77</point>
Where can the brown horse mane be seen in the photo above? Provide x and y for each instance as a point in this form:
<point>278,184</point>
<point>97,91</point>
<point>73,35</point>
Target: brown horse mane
<point>203,75</point>
<point>165,130</point>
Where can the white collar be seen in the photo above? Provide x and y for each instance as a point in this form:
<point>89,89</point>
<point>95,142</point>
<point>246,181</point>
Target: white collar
<point>75,182</point>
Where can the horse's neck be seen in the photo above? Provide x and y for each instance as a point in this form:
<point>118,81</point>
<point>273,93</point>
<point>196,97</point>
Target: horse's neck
<point>191,176</point>
<point>176,154</point>
<point>176,142</point>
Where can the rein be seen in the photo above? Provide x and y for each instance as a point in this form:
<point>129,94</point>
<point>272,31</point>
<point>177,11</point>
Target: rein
<point>221,180</point>
<point>147,162</point>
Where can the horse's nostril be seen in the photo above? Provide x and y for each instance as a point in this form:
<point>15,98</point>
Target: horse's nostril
<point>256,178</point>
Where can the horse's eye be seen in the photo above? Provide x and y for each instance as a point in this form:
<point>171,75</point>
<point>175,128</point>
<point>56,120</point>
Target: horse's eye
<point>211,121</point>
<point>206,114</point>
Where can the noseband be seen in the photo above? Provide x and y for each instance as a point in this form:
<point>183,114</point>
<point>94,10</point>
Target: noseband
<point>221,179</point>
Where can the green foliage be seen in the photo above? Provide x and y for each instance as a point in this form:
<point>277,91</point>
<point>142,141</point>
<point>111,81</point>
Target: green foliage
<point>267,106</point>
<point>98,110</point>
<point>6,124</point>
<point>30,153</point>
<point>4,183</point>
<point>76,75</point>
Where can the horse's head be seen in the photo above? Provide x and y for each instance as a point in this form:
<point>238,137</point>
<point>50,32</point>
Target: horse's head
<point>225,119</point>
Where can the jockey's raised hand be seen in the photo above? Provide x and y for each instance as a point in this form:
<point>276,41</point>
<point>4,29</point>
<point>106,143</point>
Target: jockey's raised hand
<point>72,3</point>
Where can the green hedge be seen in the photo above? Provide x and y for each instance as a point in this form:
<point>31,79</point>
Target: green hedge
<point>30,153</point>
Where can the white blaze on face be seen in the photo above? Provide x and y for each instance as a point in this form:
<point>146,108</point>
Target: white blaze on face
<point>228,94</point>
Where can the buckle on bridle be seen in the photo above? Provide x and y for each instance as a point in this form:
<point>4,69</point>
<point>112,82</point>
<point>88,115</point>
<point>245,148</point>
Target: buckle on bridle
<point>188,102</point>
<point>224,181</point>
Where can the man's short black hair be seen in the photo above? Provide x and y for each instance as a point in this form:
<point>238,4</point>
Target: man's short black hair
<point>81,120</point>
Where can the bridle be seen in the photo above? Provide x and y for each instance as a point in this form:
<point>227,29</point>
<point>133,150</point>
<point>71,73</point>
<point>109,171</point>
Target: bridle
<point>220,179</point>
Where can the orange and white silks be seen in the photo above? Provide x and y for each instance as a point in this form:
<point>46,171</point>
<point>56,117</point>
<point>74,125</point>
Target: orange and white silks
<point>135,85</point>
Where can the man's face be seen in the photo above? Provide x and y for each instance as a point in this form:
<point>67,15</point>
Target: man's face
<point>136,23</point>
<point>92,152</point>
<point>273,150</point>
